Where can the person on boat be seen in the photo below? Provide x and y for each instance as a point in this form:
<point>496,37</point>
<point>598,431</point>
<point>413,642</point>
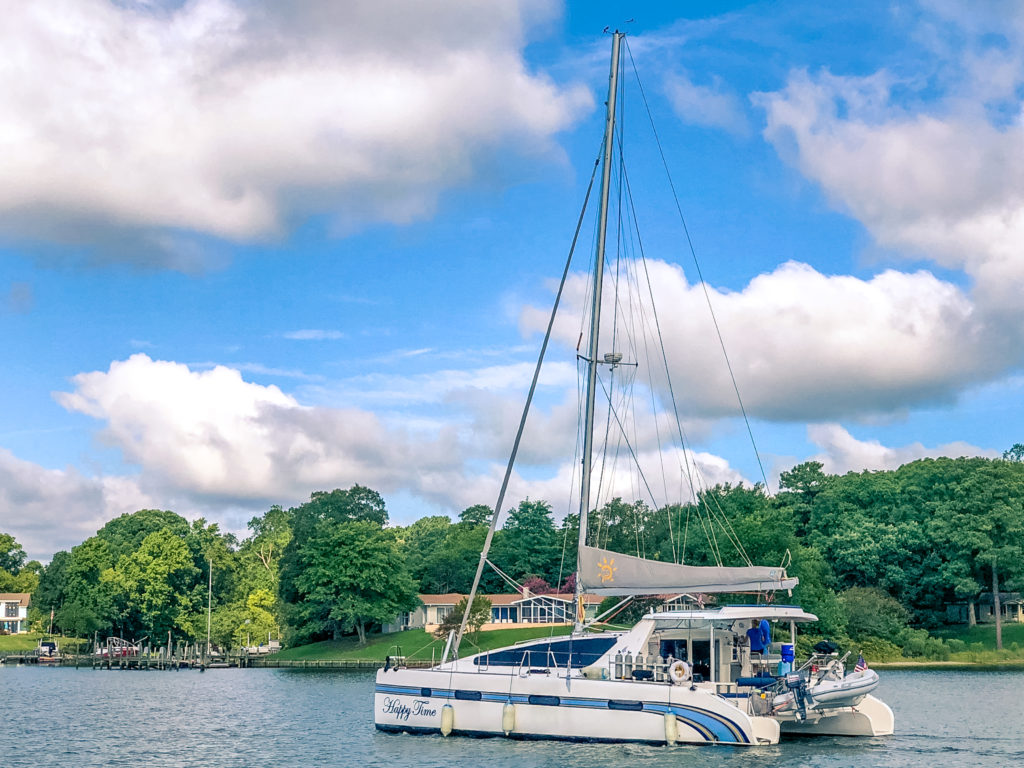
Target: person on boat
<point>759,637</point>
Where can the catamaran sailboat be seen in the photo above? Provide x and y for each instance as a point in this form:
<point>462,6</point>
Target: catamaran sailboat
<point>700,676</point>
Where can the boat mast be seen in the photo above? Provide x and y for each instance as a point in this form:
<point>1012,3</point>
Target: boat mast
<point>595,318</point>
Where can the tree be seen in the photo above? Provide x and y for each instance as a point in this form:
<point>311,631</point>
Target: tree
<point>76,619</point>
<point>528,545</point>
<point>428,560</point>
<point>342,571</point>
<point>83,580</point>
<point>537,585</point>
<point>478,616</point>
<point>152,586</point>
<point>270,535</point>
<point>799,487</point>
<point>871,612</point>
<point>12,556</point>
<point>1015,453</point>
<point>125,534</point>
<point>52,589</point>
<point>478,514</point>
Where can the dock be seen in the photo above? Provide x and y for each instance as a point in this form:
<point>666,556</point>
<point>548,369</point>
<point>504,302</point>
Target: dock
<point>159,661</point>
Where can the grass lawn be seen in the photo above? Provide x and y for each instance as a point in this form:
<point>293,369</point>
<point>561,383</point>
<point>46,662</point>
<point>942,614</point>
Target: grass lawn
<point>24,642</point>
<point>985,635</point>
<point>414,644</point>
<point>29,641</point>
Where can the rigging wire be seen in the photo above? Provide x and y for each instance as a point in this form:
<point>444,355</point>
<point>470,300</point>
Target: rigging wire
<point>522,421</point>
<point>700,275</point>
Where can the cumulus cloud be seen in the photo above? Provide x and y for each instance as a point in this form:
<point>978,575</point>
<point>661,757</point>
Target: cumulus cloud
<point>145,129</point>
<point>205,441</point>
<point>51,509</point>
<point>212,435</point>
<point>842,452</point>
<point>809,346</point>
<point>712,106</point>
<point>932,166</point>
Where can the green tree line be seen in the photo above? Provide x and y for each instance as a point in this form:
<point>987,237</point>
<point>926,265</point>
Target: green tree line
<point>878,554</point>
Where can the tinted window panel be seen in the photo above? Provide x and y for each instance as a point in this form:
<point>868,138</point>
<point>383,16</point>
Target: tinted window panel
<point>552,653</point>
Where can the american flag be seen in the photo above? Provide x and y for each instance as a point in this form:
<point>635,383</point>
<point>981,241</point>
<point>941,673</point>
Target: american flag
<point>861,664</point>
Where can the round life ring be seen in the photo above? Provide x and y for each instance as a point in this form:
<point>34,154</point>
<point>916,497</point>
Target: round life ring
<point>679,671</point>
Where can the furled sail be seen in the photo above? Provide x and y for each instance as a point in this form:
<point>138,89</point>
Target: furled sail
<point>604,572</point>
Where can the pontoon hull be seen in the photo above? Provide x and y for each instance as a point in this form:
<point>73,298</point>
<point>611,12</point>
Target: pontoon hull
<point>544,707</point>
<point>871,717</point>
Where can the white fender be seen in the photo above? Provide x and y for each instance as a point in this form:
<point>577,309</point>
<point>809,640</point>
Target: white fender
<point>679,672</point>
<point>671,729</point>
<point>447,719</point>
<point>508,718</point>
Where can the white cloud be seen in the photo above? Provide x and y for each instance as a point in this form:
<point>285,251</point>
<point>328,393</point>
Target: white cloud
<point>711,106</point>
<point>209,441</point>
<point>933,177</point>
<point>51,509</point>
<point>842,452</point>
<point>211,435</point>
<point>807,346</point>
<point>143,125</point>
<point>313,334</point>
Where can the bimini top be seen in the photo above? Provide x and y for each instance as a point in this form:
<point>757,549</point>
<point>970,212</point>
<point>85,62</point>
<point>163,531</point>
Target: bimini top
<point>731,613</point>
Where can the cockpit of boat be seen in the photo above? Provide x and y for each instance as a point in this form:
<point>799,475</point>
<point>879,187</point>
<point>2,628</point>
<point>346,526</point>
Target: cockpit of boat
<point>727,647</point>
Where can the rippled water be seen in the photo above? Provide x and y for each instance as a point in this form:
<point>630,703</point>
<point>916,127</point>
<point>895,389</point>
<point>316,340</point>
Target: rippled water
<point>280,718</point>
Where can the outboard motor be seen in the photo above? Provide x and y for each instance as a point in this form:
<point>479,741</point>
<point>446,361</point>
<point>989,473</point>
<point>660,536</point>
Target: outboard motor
<point>798,685</point>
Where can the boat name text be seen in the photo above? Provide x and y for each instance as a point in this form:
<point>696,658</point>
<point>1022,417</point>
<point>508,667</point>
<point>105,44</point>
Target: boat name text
<point>419,708</point>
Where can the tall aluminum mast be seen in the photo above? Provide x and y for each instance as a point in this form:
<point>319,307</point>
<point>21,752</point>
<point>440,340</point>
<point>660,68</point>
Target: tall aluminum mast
<point>595,316</point>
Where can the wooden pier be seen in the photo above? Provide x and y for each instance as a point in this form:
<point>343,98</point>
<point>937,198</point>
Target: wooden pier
<point>160,661</point>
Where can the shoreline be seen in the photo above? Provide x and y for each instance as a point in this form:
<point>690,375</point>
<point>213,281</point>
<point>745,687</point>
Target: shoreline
<point>964,665</point>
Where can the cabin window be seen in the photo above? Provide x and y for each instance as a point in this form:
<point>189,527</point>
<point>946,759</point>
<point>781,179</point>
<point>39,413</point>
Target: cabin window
<point>628,705</point>
<point>426,692</point>
<point>468,695</point>
<point>554,653</point>
<point>546,701</point>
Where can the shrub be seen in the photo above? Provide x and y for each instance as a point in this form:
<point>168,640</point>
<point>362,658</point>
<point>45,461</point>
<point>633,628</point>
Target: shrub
<point>872,612</point>
<point>956,645</point>
<point>877,649</point>
<point>918,643</point>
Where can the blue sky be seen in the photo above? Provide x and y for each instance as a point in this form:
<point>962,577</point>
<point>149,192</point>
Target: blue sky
<point>252,250</point>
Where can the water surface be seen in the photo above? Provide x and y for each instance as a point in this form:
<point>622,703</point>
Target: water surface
<point>280,718</point>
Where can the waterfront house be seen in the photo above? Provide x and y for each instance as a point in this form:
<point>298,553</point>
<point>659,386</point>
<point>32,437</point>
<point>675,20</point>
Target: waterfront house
<point>507,611</point>
<point>1011,609</point>
<point>14,612</point>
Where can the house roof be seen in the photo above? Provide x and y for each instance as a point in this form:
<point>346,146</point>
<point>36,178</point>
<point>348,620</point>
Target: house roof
<point>21,597</point>
<point>453,597</point>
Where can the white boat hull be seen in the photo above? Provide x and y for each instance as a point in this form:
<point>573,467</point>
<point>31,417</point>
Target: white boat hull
<point>870,717</point>
<point>544,707</point>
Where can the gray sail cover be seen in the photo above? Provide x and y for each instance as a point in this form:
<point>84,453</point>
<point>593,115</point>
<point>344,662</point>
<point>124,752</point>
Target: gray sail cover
<point>604,572</point>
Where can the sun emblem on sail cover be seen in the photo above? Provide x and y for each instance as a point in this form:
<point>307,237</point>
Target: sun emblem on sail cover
<point>608,569</point>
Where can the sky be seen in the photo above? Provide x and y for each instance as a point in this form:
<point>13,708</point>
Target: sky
<point>251,250</point>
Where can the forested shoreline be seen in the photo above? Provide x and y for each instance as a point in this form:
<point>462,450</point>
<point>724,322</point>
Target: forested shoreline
<point>879,554</point>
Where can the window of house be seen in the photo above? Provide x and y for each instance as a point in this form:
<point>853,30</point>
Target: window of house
<point>11,610</point>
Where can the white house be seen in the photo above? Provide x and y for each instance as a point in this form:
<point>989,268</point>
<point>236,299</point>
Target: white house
<point>14,612</point>
<point>507,611</point>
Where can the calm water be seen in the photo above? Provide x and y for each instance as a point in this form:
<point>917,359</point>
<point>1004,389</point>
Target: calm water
<point>281,718</point>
